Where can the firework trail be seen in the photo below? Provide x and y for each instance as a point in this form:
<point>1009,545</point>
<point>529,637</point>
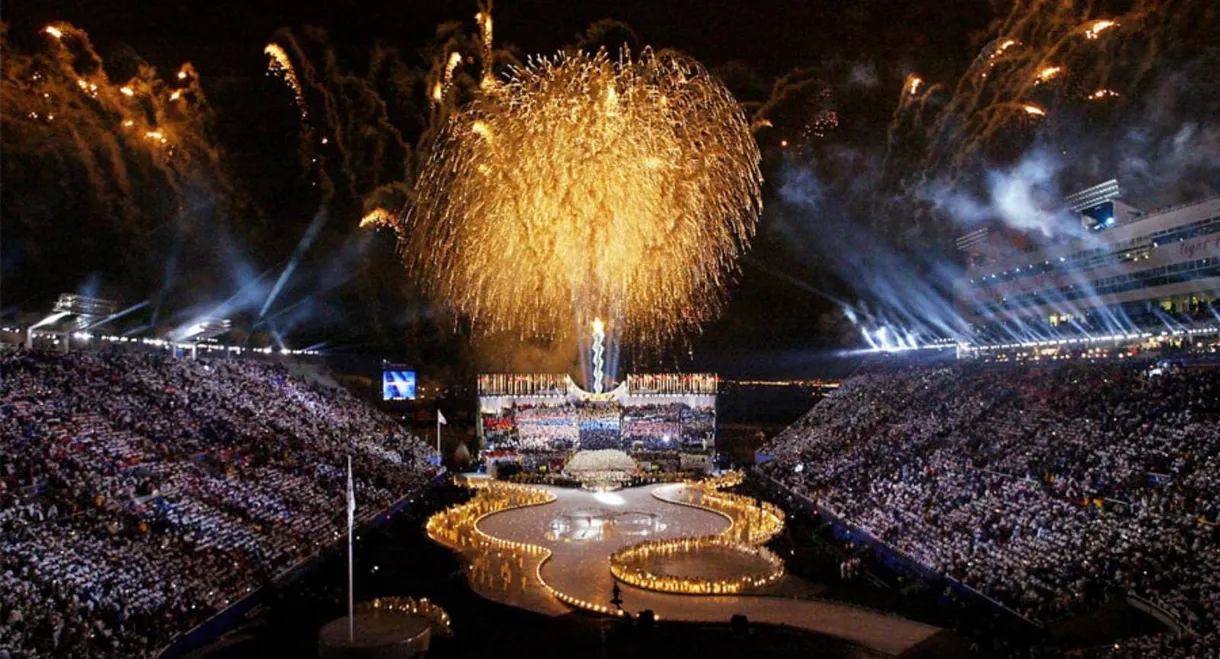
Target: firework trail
<point>280,65</point>
<point>483,18</point>
<point>347,141</point>
<point>909,108</point>
<point>442,86</point>
<point>61,110</point>
<point>1048,56</point>
<point>581,186</point>
<point>801,92</point>
<point>350,143</point>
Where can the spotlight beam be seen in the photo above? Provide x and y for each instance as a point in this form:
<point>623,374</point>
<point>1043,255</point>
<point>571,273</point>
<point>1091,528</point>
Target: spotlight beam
<point>117,315</point>
<point>315,227</point>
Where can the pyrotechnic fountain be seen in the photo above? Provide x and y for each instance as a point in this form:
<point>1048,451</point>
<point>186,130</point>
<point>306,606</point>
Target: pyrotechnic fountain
<point>599,363</point>
<point>585,187</point>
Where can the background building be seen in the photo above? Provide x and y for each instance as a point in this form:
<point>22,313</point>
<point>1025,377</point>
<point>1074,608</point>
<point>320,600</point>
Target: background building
<point>1123,270</point>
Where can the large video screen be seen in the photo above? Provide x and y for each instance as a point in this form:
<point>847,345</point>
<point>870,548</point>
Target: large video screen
<point>398,385</point>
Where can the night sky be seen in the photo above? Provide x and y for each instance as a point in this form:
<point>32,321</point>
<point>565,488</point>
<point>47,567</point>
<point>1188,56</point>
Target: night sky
<point>780,312</point>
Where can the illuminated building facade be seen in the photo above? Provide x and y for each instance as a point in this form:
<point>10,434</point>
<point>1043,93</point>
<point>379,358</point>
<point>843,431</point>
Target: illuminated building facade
<point>1124,271</point>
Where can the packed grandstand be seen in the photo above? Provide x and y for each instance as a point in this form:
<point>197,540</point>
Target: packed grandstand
<point>1044,487</point>
<point>140,494</point>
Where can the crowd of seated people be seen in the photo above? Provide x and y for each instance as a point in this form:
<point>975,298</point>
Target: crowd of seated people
<point>1047,488</point>
<point>544,427</point>
<point>140,495</point>
<point>652,427</point>
<point>595,437</point>
<point>652,435</point>
<point>599,427</point>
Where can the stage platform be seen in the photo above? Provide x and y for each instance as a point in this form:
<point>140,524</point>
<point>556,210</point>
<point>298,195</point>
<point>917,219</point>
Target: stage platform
<point>579,528</point>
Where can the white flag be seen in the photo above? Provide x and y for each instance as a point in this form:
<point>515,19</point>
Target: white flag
<point>440,418</point>
<point>351,497</point>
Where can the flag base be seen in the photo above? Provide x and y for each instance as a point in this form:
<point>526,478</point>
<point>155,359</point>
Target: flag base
<point>377,635</point>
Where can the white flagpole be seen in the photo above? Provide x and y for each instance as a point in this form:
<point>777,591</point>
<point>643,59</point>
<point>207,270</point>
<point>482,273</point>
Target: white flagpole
<point>351,507</point>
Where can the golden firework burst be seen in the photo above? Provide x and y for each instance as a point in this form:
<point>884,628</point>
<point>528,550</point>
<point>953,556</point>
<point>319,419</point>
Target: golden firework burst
<point>583,186</point>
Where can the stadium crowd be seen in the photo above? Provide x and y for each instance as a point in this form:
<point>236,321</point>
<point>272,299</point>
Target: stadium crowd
<point>599,427</point>
<point>1047,488</point>
<point>140,495</point>
<point>654,427</point>
<point>542,427</point>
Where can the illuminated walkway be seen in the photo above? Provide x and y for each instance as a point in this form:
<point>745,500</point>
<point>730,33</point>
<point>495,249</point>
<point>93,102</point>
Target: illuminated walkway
<point>579,567</point>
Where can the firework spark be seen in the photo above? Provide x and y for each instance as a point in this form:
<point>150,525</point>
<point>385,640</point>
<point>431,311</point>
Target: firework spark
<point>820,125</point>
<point>581,187</point>
<point>483,18</point>
<point>1094,29</point>
<point>1048,73</point>
<point>441,87</point>
<point>913,84</point>
<point>122,150</point>
<point>1049,53</point>
<point>998,47</point>
<point>455,59</point>
<point>281,65</point>
<point>376,218</point>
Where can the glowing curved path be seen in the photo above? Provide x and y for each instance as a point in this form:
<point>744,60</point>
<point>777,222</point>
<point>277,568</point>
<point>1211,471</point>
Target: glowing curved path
<point>580,568</point>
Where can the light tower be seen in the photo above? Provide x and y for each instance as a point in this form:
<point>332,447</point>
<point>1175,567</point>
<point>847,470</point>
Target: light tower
<point>599,349</point>
<point>73,312</point>
<point>201,330</point>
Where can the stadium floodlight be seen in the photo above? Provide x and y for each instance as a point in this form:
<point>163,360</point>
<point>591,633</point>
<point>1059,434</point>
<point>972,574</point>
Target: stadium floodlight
<point>84,306</point>
<point>50,320</point>
<point>213,327</point>
<point>972,240</point>
<point>115,315</point>
<point>1094,196</point>
<point>202,329</point>
<point>80,311</point>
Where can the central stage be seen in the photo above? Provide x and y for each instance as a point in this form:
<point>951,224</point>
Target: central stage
<point>582,529</point>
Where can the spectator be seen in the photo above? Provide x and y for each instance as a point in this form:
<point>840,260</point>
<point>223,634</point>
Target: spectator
<point>1041,487</point>
<point>140,495</point>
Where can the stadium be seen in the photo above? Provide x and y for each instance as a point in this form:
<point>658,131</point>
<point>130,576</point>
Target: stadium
<point>372,332</point>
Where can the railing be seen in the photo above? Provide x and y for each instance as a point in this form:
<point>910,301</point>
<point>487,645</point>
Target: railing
<point>1156,611</point>
<point>1163,210</point>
